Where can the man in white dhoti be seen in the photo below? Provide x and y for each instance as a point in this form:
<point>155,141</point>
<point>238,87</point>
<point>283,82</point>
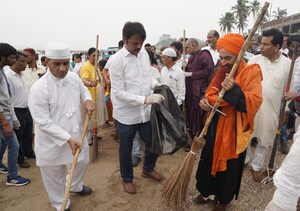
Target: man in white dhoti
<point>275,69</point>
<point>54,102</point>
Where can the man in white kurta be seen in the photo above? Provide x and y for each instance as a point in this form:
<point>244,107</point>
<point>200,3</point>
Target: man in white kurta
<point>54,102</point>
<point>172,75</point>
<point>275,69</point>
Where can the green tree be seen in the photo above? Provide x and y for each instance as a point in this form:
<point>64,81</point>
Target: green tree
<point>279,13</point>
<point>254,8</point>
<point>226,22</point>
<point>241,11</point>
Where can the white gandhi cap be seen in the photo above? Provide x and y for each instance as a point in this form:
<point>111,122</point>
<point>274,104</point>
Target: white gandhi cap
<point>169,52</point>
<point>57,50</point>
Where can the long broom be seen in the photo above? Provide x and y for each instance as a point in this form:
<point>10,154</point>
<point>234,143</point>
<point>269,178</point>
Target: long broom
<point>175,189</point>
<point>75,158</point>
<point>95,130</point>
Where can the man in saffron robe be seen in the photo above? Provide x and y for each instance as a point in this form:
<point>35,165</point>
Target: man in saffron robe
<point>222,160</point>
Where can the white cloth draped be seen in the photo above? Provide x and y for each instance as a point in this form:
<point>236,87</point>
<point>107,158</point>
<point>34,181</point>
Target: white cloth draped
<point>275,75</point>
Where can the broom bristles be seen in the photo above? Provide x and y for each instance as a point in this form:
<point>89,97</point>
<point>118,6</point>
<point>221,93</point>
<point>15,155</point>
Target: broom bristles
<point>175,189</point>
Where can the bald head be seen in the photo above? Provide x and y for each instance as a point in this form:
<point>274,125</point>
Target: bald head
<point>212,38</point>
<point>193,41</point>
<point>192,45</point>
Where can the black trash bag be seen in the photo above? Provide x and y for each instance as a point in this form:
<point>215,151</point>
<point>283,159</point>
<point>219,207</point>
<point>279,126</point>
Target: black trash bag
<point>167,124</point>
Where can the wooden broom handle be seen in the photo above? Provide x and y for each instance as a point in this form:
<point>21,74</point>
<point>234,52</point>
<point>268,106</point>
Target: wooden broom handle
<point>75,158</point>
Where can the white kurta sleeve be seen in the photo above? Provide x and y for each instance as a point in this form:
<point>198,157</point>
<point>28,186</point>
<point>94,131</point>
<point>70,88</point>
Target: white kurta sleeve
<point>181,88</point>
<point>84,92</point>
<point>40,111</point>
<point>154,82</point>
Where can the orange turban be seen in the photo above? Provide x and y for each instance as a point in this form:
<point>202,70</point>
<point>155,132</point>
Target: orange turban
<point>231,42</point>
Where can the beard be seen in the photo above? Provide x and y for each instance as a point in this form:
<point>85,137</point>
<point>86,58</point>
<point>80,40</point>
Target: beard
<point>226,68</point>
<point>221,74</point>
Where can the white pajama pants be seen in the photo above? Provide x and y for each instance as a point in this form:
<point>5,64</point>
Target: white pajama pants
<point>273,207</point>
<point>259,156</point>
<point>297,122</point>
<point>54,178</point>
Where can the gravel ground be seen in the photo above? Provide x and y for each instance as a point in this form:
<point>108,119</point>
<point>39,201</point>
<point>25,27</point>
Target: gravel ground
<point>253,196</point>
<point>104,177</point>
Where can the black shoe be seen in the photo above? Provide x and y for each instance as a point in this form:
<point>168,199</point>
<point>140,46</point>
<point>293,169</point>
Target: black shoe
<point>30,155</point>
<point>24,164</point>
<point>290,136</point>
<point>284,148</point>
<point>85,191</point>
<point>254,142</point>
<point>135,161</point>
<point>187,148</point>
<point>68,209</point>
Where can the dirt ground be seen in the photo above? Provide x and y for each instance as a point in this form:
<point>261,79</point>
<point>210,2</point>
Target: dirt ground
<point>104,178</point>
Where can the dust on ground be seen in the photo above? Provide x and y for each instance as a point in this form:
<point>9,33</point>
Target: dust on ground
<point>104,178</point>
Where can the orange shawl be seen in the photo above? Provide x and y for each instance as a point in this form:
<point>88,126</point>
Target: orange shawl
<point>234,129</point>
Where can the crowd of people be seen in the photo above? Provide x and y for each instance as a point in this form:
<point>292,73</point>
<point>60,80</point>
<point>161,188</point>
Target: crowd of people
<point>42,109</point>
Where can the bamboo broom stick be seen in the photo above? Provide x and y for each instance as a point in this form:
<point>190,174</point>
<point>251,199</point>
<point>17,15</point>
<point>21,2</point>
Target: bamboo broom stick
<point>75,158</point>
<point>95,138</point>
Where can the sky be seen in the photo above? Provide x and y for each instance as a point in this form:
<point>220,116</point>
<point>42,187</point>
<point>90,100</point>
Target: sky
<point>36,23</point>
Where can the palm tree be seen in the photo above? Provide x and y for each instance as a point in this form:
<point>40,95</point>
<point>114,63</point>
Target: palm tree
<point>226,22</point>
<point>241,11</point>
<point>266,17</point>
<point>254,8</point>
<point>279,13</point>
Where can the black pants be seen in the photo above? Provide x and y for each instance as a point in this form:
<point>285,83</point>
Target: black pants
<point>226,184</point>
<point>24,133</point>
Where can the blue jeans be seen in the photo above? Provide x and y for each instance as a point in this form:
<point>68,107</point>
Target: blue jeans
<point>136,147</point>
<point>283,134</point>
<point>12,145</point>
<point>127,134</point>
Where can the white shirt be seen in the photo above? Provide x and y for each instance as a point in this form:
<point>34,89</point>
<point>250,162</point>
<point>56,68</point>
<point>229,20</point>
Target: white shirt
<point>156,74</point>
<point>131,81</point>
<point>247,55</point>
<point>295,85</point>
<point>179,62</point>
<point>107,65</point>
<point>174,78</point>
<point>32,75</point>
<point>18,88</point>
<point>77,67</point>
<point>286,51</point>
<point>214,54</point>
<point>275,74</point>
<point>55,108</point>
<point>287,178</point>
